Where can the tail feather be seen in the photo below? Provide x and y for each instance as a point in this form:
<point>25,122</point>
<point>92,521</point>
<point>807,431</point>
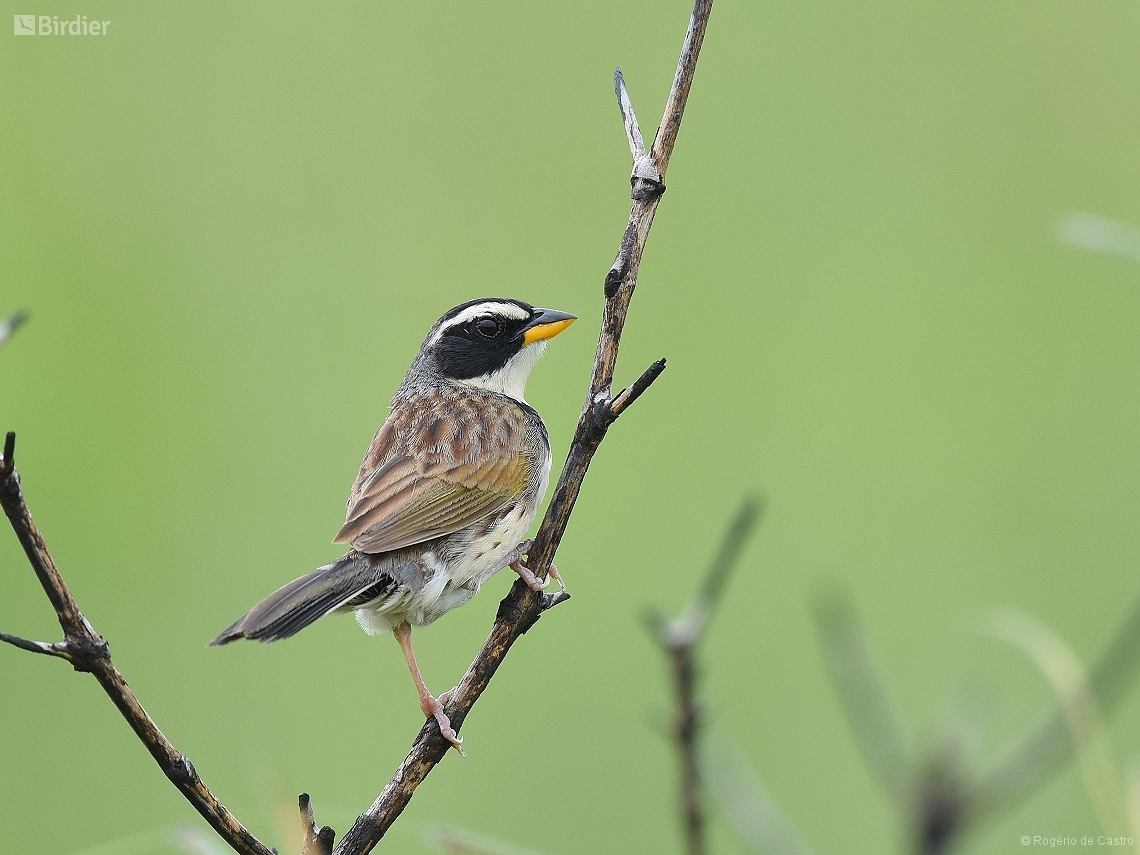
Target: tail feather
<point>290,609</point>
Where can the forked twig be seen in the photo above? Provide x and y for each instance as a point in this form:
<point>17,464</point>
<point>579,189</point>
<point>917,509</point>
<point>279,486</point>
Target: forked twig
<point>522,607</point>
<point>313,842</point>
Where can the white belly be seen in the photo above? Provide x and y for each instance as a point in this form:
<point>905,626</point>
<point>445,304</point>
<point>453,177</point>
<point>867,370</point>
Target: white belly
<point>453,584</point>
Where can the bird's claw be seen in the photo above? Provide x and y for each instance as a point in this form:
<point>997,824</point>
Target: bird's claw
<point>519,566</point>
<point>434,709</point>
<point>553,571</point>
<point>532,581</point>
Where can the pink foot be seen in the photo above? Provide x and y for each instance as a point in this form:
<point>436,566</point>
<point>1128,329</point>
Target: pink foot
<point>433,708</point>
<point>516,563</point>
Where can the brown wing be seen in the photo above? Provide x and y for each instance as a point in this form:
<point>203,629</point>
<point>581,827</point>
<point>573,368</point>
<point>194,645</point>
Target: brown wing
<point>443,460</point>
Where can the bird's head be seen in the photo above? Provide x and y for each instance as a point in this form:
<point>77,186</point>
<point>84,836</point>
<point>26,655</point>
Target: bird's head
<point>492,343</point>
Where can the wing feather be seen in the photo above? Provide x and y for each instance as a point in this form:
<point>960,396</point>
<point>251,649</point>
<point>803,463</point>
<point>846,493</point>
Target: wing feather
<point>443,460</point>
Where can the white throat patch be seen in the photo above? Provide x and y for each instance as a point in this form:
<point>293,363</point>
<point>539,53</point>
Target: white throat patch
<point>510,380</point>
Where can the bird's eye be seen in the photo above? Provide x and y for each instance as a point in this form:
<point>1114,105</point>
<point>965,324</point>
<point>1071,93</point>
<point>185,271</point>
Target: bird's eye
<point>488,327</point>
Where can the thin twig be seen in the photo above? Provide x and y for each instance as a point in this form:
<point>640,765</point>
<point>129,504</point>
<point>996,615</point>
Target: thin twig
<point>678,639</point>
<point>522,607</point>
<point>627,396</point>
<point>59,649</point>
<point>86,650</point>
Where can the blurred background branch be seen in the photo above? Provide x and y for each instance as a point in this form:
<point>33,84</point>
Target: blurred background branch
<point>938,800</point>
<point>9,326</point>
<point>1100,235</point>
<point>1069,680</point>
<point>678,639</point>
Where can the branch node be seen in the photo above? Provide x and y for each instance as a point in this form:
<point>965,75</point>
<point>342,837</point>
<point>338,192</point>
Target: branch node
<point>512,608</point>
<point>645,180</point>
<point>84,652</point>
<point>181,772</point>
<point>644,188</point>
<point>597,418</point>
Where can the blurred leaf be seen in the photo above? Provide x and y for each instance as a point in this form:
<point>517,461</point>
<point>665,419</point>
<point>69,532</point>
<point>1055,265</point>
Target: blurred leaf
<point>1070,680</point>
<point>181,841</point>
<point>870,712</point>
<point>753,813</point>
<point>1100,234</point>
<point>450,838</point>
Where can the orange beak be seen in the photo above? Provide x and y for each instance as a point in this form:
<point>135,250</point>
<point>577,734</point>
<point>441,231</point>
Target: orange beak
<point>547,323</point>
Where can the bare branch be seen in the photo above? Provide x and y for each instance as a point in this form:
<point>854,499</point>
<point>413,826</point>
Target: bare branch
<point>688,628</point>
<point>86,650</point>
<point>522,607</point>
<point>682,81</point>
<point>678,639</point>
<point>645,180</point>
<point>629,118</point>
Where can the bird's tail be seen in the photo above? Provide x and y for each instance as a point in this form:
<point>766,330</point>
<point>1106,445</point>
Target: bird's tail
<point>290,609</point>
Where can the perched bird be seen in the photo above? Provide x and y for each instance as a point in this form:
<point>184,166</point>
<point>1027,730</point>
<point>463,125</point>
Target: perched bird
<point>448,489</point>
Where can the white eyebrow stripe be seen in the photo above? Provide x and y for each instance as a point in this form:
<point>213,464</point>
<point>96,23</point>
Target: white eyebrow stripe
<point>506,310</point>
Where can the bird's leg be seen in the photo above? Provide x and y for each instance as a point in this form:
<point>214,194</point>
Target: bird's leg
<point>514,560</point>
<point>432,708</point>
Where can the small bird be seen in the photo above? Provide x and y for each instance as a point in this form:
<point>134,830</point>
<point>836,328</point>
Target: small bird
<point>448,489</point>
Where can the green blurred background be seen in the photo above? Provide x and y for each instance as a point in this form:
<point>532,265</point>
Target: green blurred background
<point>232,227</point>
